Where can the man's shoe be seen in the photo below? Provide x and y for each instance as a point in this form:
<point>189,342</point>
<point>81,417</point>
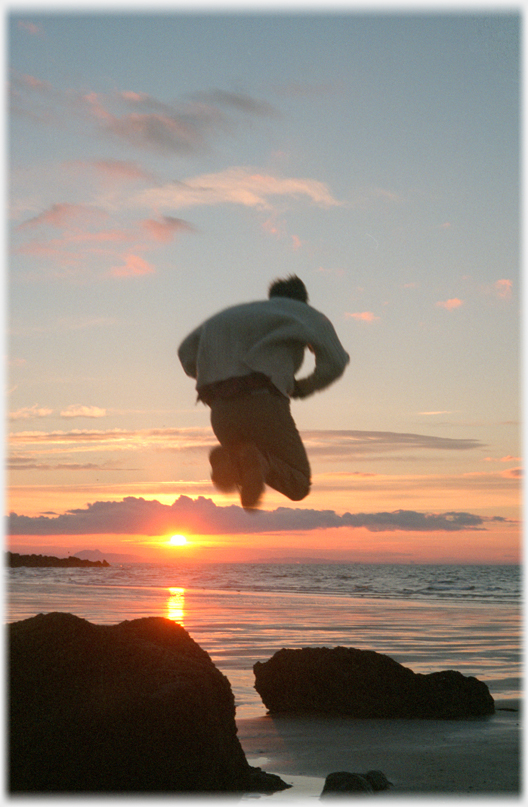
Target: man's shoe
<point>223,474</point>
<point>251,467</point>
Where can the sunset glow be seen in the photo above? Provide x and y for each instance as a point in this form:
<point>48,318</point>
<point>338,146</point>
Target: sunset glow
<point>178,540</point>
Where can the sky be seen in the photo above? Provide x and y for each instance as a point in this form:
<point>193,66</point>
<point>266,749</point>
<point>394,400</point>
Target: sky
<point>166,164</point>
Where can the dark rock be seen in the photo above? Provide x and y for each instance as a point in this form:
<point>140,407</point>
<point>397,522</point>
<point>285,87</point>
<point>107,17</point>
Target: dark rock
<point>260,782</point>
<point>378,780</point>
<point>132,707</point>
<point>342,782</point>
<point>365,684</point>
<point>46,561</point>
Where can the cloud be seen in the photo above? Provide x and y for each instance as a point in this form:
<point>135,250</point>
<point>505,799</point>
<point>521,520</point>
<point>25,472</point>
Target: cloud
<point>365,197</point>
<point>325,444</point>
<point>83,412</point>
<point>437,412</point>
<point>450,305</point>
<point>165,230</point>
<point>73,411</point>
<point>237,185</point>
<point>241,102</point>
<point>513,473</point>
<point>29,464</point>
<point>177,127</point>
<point>29,412</point>
<point>65,214</point>
<point>30,27</point>
<point>350,443</point>
<point>134,266</point>
<point>113,170</point>
<point>336,446</point>
<point>503,289</point>
<point>138,516</point>
<point>139,119</point>
<point>82,239</point>
<point>33,83</point>
<point>507,458</point>
<point>362,316</point>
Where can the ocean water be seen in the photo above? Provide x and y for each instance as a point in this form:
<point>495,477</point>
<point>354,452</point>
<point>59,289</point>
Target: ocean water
<point>426,617</point>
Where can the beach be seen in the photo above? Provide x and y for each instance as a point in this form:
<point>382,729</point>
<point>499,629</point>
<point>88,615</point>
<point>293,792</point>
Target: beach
<point>239,627</point>
<point>419,757</point>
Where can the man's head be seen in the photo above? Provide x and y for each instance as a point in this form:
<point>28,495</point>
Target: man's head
<point>291,286</point>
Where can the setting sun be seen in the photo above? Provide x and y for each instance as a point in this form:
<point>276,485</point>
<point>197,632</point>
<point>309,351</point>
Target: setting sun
<point>177,540</point>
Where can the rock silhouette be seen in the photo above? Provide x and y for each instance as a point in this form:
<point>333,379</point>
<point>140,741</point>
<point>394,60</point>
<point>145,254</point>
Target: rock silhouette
<point>342,782</point>
<point>365,684</point>
<point>14,559</point>
<point>134,707</point>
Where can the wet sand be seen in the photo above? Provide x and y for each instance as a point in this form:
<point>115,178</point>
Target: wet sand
<point>419,757</point>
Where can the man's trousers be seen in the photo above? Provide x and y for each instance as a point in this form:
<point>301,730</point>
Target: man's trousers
<point>263,418</point>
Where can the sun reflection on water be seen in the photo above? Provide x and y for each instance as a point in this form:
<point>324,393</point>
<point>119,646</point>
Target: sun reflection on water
<point>176,604</point>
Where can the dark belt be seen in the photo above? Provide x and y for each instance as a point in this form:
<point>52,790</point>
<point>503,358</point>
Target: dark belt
<point>237,386</point>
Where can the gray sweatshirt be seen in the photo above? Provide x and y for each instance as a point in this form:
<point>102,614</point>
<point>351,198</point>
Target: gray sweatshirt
<point>267,336</point>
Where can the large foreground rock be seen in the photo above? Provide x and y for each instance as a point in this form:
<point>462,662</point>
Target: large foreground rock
<point>365,684</point>
<point>132,707</point>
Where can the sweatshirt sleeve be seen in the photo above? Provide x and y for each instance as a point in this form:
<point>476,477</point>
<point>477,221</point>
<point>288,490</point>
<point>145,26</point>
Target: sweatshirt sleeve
<point>188,352</point>
<point>330,360</point>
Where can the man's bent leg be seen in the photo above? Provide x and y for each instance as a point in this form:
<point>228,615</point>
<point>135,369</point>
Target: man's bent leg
<point>265,420</point>
<point>280,442</point>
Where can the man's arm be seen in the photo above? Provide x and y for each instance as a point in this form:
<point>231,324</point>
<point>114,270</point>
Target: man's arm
<point>330,361</point>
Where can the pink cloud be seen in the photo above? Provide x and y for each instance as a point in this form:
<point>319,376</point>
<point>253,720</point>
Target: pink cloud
<point>54,249</point>
<point>274,227</point>
<point>362,316</point>
<point>130,95</point>
<point>166,229</point>
<point>63,214</point>
<point>30,27</point>
<point>450,305</point>
<point>74,248</point>
<point>504,289</point>
<point>113,170</point>
<point>145,121</point>
<point>34,83</point>
<point>95,107</point>
<point>134,266</point>
<point>296,242</point>
<point>235,185</point>
<point>100,237</point>
<point>167,131</point>
<point>513,473</point>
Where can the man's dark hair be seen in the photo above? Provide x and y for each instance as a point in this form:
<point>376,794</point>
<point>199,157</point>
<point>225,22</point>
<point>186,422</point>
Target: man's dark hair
<point>291,286</point>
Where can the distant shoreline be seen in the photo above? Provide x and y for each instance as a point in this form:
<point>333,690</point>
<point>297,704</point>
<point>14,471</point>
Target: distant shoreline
<point>47,561</point>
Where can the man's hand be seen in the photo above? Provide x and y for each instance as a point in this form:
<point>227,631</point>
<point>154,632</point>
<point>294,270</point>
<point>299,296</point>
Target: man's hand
<point>300,390</point>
